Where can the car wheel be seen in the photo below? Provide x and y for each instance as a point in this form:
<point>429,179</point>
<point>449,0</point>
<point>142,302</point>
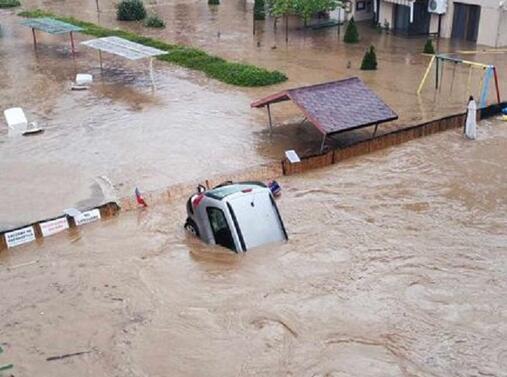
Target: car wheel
<point>191,227</point>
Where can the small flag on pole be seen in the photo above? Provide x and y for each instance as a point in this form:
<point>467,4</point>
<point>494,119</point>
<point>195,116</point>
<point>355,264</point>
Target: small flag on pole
<point>139,198</point>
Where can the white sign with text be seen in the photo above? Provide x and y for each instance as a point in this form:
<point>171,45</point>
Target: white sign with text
<point>20,236</point>
<point>51,227</point>
<point>87,217</point>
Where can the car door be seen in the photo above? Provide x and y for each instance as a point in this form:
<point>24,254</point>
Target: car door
<point>220,228</point>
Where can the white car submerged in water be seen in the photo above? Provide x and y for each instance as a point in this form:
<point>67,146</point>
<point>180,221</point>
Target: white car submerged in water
<point>238,216</point>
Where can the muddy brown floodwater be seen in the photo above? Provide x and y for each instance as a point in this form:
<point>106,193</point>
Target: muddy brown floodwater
<point>396,266</point>
<point>100,144</point>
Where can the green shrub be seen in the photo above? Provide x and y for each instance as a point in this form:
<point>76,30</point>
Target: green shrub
<point>154,21</point>
<point>351,33</point>
<point>9,3</point>
<point>259,10</point>
<point>215,67</point>
<point>131,10</point>
<point>213,2</point>
<point>428,47</point>
<point>369,62</point>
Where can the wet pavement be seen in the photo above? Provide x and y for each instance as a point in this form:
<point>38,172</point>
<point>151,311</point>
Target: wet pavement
<point>100,144</point>
<point>395,267</point>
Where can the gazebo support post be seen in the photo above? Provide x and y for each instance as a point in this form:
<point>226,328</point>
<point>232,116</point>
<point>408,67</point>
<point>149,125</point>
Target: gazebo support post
<point>304,120</point>
<point>100,60</point>
<point>375,130</point>
<point>72,43</point>
<point>322,144</point>
<point>34,38</point>
<point>270,120</point>
<point>151,74</point>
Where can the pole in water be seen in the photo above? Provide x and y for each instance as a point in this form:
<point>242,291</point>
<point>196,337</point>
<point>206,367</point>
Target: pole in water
<point>496,85</point>
<point>34,39</point>
<point>72,43</point>
<point>436,73</point>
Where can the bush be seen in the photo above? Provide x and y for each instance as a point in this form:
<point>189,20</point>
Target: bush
<point>369,62</point>
<point>131,10</point>
<point>428,47</point>
<point>351,33</point>
<point>259,10</point>
<point>9,3</point>
<point>154,21</point>
<point>213,2</point>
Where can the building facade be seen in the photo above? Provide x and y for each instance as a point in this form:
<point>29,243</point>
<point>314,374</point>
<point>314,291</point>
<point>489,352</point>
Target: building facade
<point>481,21</point>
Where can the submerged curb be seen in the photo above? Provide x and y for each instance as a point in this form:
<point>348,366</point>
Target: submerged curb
<point>34,231</point>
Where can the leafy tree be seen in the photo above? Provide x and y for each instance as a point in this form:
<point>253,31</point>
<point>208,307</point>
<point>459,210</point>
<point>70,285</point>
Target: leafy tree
<point>351,33</point>
<point>213,2</point>
<point>369,62</point>
<point>302,8</point>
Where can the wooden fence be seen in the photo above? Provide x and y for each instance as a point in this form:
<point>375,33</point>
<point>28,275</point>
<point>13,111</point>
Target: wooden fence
<point>374,144</point>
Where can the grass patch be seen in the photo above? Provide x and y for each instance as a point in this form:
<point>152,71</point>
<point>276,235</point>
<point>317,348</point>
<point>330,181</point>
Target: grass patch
<point>215,67</point>
<point>9,3</point>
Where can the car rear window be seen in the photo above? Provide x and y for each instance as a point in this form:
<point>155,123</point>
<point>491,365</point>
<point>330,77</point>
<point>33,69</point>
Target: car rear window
<point>222,192</point>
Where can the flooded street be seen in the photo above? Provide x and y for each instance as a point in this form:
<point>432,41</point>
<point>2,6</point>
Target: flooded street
<point>102,143</point>
<point>395,267</point>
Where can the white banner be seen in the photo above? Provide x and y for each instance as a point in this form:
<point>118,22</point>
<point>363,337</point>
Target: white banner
<point>20,236</point>
<point>51,227</point>
<point>87,217</point>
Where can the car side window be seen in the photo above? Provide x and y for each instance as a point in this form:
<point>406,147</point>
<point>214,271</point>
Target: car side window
<point>220,228</point>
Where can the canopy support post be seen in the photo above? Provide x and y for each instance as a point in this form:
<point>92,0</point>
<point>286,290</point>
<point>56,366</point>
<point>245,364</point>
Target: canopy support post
<point>151,74</point>
<point>100,60</point>
<point>375,130</point>
<point>304,120</point>
<point>270,121</point>
<point>34,38</point>
<point>322,144</point>
<point>72,43</point>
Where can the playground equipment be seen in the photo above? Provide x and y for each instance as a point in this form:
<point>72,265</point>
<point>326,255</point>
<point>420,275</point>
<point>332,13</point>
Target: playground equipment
<point>490,73</point>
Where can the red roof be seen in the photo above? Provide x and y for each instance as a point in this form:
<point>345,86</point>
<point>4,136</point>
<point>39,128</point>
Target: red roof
<point>336,106</point>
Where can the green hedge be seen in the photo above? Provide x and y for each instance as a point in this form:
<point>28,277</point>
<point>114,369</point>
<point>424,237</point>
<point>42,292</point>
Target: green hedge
<point>9,3</point>
<point>215,67</point>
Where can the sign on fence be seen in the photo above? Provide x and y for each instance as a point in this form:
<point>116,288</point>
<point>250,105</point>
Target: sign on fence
<point>51,227</point>
<point>19,236</point>
<point>87,217</point>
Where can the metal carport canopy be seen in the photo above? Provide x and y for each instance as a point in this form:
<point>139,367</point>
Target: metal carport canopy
<point>126,49</point>
<point>335,106</point>
<point>51,26</point>
<point>123,47</point>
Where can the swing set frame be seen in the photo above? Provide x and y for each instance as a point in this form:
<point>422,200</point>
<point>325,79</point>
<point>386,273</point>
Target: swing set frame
<point>490,72</point>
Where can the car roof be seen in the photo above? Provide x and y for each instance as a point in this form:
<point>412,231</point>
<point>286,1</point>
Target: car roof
<point>221,192</point>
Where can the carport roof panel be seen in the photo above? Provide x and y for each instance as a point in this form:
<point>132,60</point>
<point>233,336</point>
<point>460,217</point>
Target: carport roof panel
<point>50,25</point>
<point>336,106</point>
<point>123,47</point>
